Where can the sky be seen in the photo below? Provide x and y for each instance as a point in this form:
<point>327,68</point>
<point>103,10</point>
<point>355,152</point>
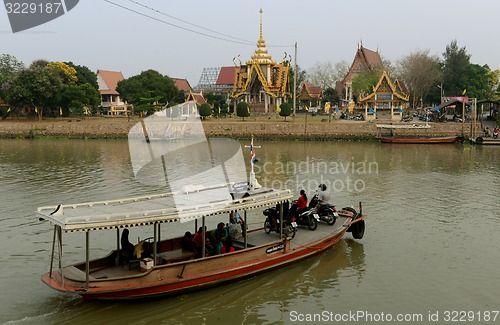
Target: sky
<point>176,39</point>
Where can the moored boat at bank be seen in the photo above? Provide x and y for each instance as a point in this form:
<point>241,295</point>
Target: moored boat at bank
<point>419,140</point>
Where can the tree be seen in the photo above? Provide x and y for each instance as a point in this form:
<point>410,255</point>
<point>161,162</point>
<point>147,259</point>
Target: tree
<point>322,74</point>
<point>9,66</point>
<point>242,110</point>
<point>331,95</point>
<point>420,72</point>
<point>148,84</point>
<point>39,86</point>
<point>455,65</point>
<point>84,75</point>
<point>301,77</point>
<point>285,109</point>
<point>75,98</point>
<point>364,81</point>
<point>205,110</point>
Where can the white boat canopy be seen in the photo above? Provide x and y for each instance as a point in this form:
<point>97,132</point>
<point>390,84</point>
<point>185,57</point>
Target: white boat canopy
<point>196,202</point>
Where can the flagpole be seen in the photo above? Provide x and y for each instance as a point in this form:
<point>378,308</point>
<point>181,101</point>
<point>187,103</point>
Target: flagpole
<point>253,184</point>
<point>295,82</point>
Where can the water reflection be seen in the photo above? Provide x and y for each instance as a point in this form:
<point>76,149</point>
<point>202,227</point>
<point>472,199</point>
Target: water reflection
<point>433,216</point>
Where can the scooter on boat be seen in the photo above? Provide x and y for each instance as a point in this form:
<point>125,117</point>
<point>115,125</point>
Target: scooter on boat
<point>326,212</point>
<point>272,223</point>
<point>309,217</point>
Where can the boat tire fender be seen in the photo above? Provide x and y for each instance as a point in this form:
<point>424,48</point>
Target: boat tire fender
<point>479,140</point>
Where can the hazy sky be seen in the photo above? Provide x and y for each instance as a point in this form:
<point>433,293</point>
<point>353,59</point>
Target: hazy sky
<point>101,35</point>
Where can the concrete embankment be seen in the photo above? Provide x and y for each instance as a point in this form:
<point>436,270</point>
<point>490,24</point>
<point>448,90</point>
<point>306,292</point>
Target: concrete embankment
<point>319,129</point>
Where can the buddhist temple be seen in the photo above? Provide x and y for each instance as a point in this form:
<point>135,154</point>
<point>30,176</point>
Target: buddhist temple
<point>386,97</point>
<point>364,59</point>
<point>261,82</point>
<point>310,95</point>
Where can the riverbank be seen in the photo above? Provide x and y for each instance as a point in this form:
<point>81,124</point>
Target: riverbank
<point>314,128</point>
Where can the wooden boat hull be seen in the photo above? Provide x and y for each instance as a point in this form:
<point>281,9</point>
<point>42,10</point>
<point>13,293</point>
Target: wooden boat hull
<point>198,274</point>
<point>436,140</point>
<point>486,141</point>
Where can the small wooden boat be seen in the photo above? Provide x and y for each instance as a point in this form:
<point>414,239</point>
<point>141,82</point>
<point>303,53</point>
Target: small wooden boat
<point>170,270</point>
<point>486,141</point>
<point>422,140</point>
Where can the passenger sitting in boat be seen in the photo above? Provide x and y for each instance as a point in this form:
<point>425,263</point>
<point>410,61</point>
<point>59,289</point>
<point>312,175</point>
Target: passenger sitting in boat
<point>188,243</point>
<point>221,233</point>
<point>495,133</point>
<point>236,225</point>
<point>228,246</point>
<point>198,240</point>
<point>127,246</point>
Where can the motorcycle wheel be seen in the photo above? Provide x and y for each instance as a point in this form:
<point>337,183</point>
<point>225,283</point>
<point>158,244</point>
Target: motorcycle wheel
<point>312,224</point>
<point>289,231</point>
<point>267,226</point>
<point>330,219</point>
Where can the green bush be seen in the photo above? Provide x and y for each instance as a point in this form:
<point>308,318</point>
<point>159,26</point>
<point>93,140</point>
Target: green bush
<point>285,109</point>
<point>205,110</point>
<point>243,110</point>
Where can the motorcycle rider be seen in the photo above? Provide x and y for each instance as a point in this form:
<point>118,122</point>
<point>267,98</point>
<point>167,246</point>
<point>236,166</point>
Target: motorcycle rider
<point>301,202</point>
<point>323,196</point>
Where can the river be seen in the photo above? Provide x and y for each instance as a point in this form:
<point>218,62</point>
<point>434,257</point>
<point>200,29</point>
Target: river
<point>430,248</point>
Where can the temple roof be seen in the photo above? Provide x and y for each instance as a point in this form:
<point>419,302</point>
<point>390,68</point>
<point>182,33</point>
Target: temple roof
<point>311,91</point>
<point>226,76</point>
<point>182,84</point>
<point>385,85</point>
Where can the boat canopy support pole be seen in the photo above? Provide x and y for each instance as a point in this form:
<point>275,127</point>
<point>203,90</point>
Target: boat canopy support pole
<point>155,241</point>
<point>59,244</point>
<point>87,259</point>
<point>118,252</point>
<point>245,240</point>
<point>52,254</point>
<point>203,237</point>
<point>281,220</point>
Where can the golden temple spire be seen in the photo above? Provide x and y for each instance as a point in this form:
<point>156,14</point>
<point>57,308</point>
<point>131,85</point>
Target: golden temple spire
<point>261,56</point>
<point>260,11</point>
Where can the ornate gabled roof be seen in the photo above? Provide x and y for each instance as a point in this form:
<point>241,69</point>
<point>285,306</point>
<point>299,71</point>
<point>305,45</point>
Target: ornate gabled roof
<point>385,85</point>
<point>182,84</point>
<point>364,59</point>
<point>311,91</point>
<point>261,55</point>
<point>197,97</point>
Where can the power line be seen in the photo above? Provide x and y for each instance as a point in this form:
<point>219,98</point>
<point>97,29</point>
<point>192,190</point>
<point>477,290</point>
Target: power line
<point>174,25</point>
<point>236,39</point>
<point>187,22</point>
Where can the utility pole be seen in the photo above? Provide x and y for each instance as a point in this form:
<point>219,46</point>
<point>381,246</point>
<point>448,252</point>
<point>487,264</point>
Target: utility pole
<point>295,82</point>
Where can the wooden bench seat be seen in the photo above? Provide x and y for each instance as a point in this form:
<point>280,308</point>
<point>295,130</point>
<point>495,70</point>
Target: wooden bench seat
<point>176,255</point>
<point>74,273</point>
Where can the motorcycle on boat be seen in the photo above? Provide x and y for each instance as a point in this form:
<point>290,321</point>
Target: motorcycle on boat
<point>309,217</point>
<point>272,222</point>
<point>326,212</point>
